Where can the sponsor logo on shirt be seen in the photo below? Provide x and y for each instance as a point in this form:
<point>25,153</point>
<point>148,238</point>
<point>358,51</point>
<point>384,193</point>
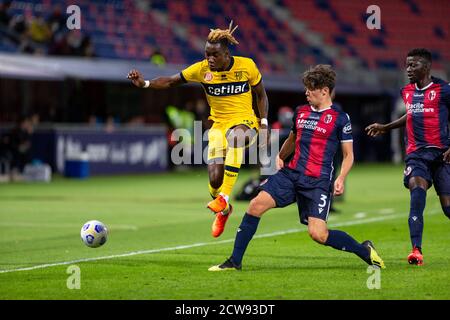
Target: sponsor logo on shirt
<point>226,89</point>
<point>417,108</point>
<point>310,125</point>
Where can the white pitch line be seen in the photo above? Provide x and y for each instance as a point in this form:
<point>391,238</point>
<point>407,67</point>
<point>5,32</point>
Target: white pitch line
<point>386,211</point>
<point>203,244</point>
<point>360,215</point>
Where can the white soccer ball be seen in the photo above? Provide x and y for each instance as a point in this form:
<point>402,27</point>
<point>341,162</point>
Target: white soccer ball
<point>94,234</point>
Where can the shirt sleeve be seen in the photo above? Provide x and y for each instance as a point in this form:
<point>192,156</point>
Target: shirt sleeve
<point>345,131</point>
<point>447,95</point>
<point>192,73</point>
<point>255,76</point>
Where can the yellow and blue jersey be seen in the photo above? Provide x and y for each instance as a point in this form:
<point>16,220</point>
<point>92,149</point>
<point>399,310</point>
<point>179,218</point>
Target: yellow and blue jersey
<point>229,91</point>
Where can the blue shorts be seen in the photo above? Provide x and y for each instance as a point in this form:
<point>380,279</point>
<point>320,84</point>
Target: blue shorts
<point>428,164</point>
<point>313,196</point>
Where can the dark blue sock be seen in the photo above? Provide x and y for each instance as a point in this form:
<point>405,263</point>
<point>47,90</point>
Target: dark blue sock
<point>415,220</point>
<point>342,241</point>
<point>245,233</point>
<point>446,211</point>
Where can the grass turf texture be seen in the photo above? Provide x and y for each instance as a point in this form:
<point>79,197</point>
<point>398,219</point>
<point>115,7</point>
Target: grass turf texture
<point>40,224</point>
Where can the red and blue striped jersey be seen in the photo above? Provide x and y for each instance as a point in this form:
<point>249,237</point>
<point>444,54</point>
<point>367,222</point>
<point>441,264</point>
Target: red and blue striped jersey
<point>427,116</point>
<point>317,137</point>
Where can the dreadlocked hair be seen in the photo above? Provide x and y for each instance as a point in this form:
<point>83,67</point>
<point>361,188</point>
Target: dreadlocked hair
<point>223,36</point>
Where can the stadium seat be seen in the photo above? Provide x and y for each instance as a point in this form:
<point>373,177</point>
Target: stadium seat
<point>123,29</point>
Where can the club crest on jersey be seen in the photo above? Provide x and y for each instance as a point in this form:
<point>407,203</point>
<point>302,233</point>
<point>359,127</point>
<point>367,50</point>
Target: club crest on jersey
<point>407,171</point>
<point>432,95</point>
<point>208,76</point>
<point>328,118</point>
<point>301,115</point>
<point>238,75</point>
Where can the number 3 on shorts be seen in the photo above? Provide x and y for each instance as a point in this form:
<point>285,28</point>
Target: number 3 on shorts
<point>323,198</point>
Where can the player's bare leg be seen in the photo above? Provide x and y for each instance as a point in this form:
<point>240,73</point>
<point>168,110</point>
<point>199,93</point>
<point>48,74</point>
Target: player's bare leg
<point>418,189</point>
<point>260,204</point>
<point>318,230</point>
<point>215,173</point>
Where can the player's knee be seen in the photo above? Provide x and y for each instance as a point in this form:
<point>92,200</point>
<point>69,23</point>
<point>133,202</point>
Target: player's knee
<point>446,211</point>
<point>256,207</point>
<point>417,182</point>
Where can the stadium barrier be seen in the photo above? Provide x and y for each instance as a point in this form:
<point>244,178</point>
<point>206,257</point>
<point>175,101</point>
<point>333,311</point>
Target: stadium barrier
<point>125,150</point>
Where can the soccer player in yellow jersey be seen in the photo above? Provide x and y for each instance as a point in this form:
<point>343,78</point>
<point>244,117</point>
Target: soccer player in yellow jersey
<point>228,82</point>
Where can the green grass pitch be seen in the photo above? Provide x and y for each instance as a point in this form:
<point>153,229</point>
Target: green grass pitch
<point>160,247</point>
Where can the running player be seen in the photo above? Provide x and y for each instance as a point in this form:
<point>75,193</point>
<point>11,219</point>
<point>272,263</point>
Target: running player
<point>228,82</point>
<point>317,132</point>
<point>427,101</point>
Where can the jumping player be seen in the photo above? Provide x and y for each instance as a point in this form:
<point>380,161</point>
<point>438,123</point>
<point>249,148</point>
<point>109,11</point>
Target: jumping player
<point>228,82</point>
<point>427,101</point>
<point>317,132</point>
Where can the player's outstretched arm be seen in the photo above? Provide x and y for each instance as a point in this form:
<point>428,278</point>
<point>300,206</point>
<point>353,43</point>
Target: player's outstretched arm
<point>286,150</point>
<point>347,163</point>
<point>376,129</point>
<point>158,83</point>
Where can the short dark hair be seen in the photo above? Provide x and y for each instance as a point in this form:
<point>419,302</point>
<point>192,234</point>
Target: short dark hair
<point>420,52</point>
<point>319,77</point>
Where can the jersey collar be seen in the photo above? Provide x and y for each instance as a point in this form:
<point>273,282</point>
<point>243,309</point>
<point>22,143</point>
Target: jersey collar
<point>231,64</point>
<point>313,109</point>
<point>424,88</point>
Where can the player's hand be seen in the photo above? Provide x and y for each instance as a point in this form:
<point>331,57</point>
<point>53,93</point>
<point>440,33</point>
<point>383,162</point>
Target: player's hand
<point>447,156</point>
<point>338,186</point>
<point>376,129</point>
<point>278,162</point>
<point>136,78</point>
<point>264,136</point>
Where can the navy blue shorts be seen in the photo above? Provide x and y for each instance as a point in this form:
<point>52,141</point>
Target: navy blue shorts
<point>313,196</point>
<point>428,164</point>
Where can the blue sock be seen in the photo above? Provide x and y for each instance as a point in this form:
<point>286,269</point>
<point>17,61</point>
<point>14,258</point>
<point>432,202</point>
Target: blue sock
<point>447,211</point>
<point>245,233</point>
<point>415,220</point>
<point>342,241</point>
